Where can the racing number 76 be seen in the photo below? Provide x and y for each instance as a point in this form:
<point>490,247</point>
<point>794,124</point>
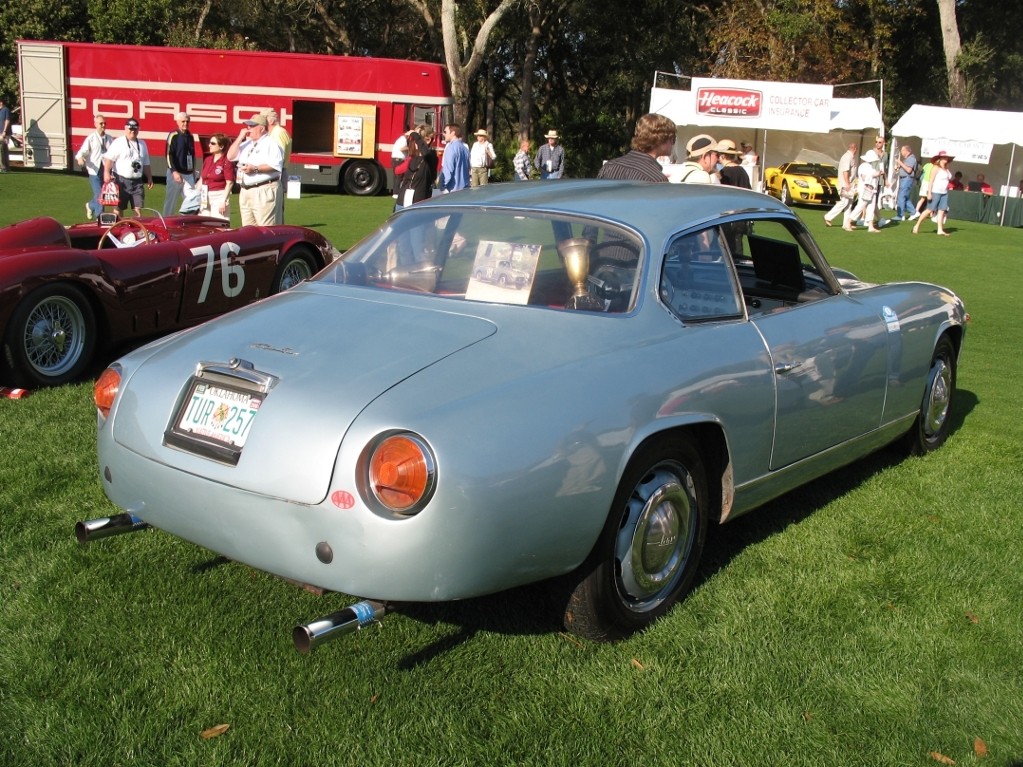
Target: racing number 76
<point>228,273</point>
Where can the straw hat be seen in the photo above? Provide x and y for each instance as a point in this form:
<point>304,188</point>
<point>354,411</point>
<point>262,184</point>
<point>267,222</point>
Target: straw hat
<point>870,156</point>
<point>481,132</point>
<point>943,155</point>
<point>551,134</point>
<point>727,146</point>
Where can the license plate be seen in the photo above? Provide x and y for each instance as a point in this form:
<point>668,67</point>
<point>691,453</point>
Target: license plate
<point>219,414</point>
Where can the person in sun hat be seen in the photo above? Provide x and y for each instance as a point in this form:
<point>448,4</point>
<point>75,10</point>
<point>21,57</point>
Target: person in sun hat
<point>481,159</point>
<point>937,193</point>
<point>260,164</point>
<point>702,159</point>
<point>731,172</point>
<point>868,176</point>
<point>550,158</point>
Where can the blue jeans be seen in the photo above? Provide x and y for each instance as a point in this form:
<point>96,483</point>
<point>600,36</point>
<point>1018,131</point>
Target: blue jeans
<point>904,204</point>
<point>96,182</point>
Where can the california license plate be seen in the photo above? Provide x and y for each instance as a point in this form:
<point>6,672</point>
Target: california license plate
<point>217,413</point>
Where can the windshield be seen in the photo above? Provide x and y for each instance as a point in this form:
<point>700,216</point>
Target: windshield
<point>498,256</point>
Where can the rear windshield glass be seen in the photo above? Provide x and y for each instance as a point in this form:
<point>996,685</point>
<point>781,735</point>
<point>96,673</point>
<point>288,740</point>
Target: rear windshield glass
<point>510,257</point>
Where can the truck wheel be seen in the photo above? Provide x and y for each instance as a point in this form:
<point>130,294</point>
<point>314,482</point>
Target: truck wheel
<point>362,178</point>
<point>647,555</point>
<point>51,337</point>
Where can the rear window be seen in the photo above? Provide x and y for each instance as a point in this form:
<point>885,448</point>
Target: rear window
<point>509,257</point>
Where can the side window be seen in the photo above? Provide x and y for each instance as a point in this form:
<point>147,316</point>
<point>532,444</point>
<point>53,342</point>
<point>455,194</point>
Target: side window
<point>774,266</point>
<point>696,279</point>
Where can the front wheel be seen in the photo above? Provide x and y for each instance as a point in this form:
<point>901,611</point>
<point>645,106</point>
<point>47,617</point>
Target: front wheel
<point>786,197</point>
<point>51,337</point>
<point>647,555</point>
<point>930,430</point>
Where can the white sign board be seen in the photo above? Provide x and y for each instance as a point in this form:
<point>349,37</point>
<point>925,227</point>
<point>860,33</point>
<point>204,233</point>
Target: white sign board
<point>764,105</point>
<point>964,151</point>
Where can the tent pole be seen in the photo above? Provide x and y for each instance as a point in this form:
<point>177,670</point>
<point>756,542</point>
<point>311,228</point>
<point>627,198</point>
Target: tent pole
<point>1008,183</point>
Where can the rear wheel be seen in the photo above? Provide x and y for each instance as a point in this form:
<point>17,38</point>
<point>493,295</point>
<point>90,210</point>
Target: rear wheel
<point>51,337</point>
<point>930,430</point>
<point>362,178</point>
<point>648,552</point>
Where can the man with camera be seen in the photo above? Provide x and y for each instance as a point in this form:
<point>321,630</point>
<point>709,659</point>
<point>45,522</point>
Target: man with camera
<point>127,163</point>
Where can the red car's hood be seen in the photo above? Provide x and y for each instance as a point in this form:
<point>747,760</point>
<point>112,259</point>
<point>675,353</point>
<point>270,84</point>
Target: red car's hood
<point>332,353</point>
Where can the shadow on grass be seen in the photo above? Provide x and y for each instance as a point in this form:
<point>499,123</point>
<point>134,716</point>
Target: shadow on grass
<point>538,608</point>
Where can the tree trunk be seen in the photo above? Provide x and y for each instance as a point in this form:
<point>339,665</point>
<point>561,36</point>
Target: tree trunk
<point>958,90</point>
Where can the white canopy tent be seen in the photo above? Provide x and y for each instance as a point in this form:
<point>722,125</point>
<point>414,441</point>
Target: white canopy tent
<point>850,120</point>
<point>1003,131</point>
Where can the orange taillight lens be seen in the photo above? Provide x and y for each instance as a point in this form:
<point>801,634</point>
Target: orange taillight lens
<point>402,473</point>
<point>105,390</point>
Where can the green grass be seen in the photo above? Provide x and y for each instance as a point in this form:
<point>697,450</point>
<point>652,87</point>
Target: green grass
<point>870,618</point>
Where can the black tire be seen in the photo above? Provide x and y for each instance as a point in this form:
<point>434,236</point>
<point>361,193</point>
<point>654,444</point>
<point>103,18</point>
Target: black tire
<point>362,178</point>
<point>648,553</point>
<point>785,196</point>
<point>930,430</point>
<point>297,266</point>
<point>51,337</point>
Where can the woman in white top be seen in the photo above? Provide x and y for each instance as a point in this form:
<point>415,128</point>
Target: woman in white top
<point>937,193</point>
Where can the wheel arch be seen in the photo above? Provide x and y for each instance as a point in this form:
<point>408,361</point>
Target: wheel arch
<point>710,441</point>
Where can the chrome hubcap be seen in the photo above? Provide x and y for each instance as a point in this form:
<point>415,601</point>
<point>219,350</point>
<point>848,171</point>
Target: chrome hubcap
<point>939,396</point>
<point>655,539</point>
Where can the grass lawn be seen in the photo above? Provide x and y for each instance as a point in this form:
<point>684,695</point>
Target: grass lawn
<point>870,618</point>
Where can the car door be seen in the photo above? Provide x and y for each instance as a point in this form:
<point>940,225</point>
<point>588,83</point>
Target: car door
<point>829,352</point>
<point>225,270</point>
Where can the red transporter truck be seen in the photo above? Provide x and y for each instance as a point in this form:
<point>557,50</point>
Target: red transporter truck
<point>343,112</point>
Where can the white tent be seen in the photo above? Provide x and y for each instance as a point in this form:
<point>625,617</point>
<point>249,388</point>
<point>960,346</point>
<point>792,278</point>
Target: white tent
<point>850,120</point>
<point>1003,131</point>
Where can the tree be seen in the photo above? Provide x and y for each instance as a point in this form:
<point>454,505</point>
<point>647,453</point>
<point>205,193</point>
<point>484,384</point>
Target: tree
<point>958,89</point>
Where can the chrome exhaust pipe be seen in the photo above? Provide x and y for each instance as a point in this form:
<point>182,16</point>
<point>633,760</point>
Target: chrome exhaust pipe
<point>104,527</point>
<point>341,623</point>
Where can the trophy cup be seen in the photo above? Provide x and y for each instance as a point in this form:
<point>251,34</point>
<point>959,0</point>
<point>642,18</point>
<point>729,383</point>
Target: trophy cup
<point>575,253</point>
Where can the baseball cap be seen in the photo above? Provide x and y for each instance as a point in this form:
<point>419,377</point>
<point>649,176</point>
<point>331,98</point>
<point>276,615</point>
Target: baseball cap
<point>132,124</point>
<point>698,146</point>
<point>256,119</point>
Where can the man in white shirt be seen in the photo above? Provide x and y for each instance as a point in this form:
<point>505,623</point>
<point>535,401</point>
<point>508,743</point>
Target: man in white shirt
<point>481,159</point>
<point>260,164</point>
<point>702,159</point>
<point>90,157</point>
<point>846,184</point>
<point>127,163</point>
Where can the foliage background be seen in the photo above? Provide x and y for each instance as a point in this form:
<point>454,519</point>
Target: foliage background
<point>583,67</point>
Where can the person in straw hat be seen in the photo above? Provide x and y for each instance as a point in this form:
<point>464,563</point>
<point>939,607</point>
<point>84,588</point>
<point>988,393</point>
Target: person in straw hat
<point>937,193</point>
<point>732,173</point>
<point>701,162</point>
<point>550,158</point>
<point>867,178</point>
<point>481,159</point>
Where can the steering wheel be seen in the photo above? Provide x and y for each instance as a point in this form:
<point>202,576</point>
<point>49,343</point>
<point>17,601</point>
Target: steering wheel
<point>127,233</point>
<point>614,253</point>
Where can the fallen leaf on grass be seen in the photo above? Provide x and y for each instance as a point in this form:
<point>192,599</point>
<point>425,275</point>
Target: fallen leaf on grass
<point>973,618</point>
<point>571,639</point>
<point>807,716</point>
<point>637,664</point>
<point>214,732</point>
<point>940,757</point>
<point>374,698</point>
<point>979,748</point>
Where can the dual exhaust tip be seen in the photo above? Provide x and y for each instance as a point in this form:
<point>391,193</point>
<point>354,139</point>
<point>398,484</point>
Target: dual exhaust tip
<point>306,637</point>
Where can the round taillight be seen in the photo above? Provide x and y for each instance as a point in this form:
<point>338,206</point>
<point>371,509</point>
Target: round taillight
<point>402,473</point>
<point>105,390</point>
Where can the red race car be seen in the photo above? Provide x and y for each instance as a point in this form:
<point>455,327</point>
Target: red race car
<point>68,292</point>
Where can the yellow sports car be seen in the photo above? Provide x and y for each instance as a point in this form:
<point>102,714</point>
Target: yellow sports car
<point>807,183</point>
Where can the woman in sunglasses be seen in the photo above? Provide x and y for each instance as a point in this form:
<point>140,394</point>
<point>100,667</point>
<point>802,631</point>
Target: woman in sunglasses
<point>217,179</point>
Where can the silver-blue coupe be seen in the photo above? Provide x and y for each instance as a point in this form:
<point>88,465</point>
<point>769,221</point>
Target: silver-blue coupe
<point>405,428</point>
